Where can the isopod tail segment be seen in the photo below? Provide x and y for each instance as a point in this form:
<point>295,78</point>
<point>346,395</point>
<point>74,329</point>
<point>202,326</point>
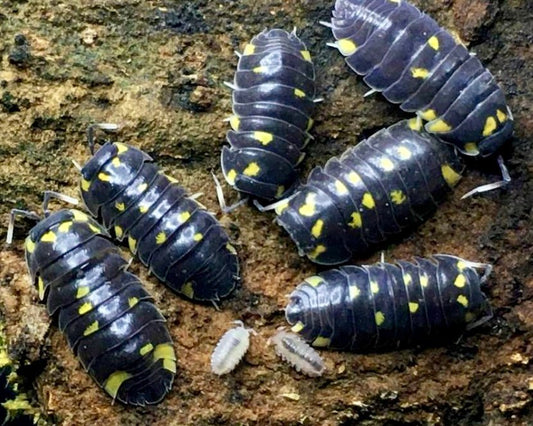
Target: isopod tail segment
<point>182,243</point>
<point>273,100</point>
<point>109,320</point>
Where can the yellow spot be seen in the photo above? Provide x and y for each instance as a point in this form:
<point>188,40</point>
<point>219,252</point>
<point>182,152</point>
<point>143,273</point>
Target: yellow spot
<point>306,55</point>
<point>232,174</point>
<point>318,250</point>
<point>354,292</point>
<point>280,191</point>
<point>428,115</point>
<point>252,169</point>
<point>413,307</point>
<point>439,126</point>
<point>94,228</point>
<point>164,351</point>
<point>424,280</point>
<point>65,226</point>
<point>314,281</point>
<point>404,152</point>
<point>461,299</point>
<point>450,175</point>
<point>296,328</point>
<point>184,216</point>
<point>374,287</point>
<point>490,126</point>
<point>104,177</point>
<point>415,124</point>
<point>357,220</point>
<point>132,301</point>
<point>434,42</point>
<point>259,70</point>
<point>461,265</point>
<point>316,230</point>
<point>160,238</point>
<point>187,290</point>
<point>132,242</point>
<point>169,365</point>
<point>142,187</point>
<point>368,200</point>
<point>340,187</point>
<point>82,291</point>
<point>346,46</point>
<point>281,207</point>
<point>85,184</point>
<point>231,249</point>
<point>234,122</point>
<point>91,328</point>
<point>198,236</point>
<point>309,124</point>
<point>79,216</point>
<point>146,349</point>
<point>86,307</point>
<point>299,93</point>
<point>407,279</point>
<point>120,206</point>
<point>354,177</point>
<point>143,208</point>
<point>249,49</point>
<point>49,237</point>
<point>118,231</point>
<point>471,148</point>
<point>321,342</point>
<point>40,288</point>
<point>29,245</point>
<point>469,317</point>
<point>419,72</point>
<point>397,196</point>
<point>121,148</point>
<point>308,209</point>
<point>380,318</point>
<point>114,381</point>
<point>460,281</point>
<point>116,162</point>
<point>264,137</point>
<point>501,116</point>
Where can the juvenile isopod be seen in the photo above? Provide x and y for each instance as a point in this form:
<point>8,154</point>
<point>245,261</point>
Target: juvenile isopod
<point>299,354</point>
<point>230,349</point>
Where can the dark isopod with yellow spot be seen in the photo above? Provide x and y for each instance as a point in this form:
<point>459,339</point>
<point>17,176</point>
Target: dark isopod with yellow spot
<point>108,318</point>
<point>388,306</point>
<point>407,56</point>
<point>171,233</point>
<point>383,186</point>
<point>273,100</point>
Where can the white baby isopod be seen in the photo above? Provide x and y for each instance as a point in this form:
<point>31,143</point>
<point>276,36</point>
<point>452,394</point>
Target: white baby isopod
<point>298,353</point>
<point>230,349</point>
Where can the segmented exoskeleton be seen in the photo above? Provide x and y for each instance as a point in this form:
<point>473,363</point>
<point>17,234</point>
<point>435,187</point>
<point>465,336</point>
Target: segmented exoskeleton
<point>384,185</point>
<point>273,100</point>
<point>404,54</point>
<point>388,306</point>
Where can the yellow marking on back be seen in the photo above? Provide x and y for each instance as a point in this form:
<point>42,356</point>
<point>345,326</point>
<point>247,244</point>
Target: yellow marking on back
<point>357,220</point>
<point>184,216</point>
<point>306,55</point>
<point>321,342</point>
<point>170,365</point>
<point>121,148</point>
<point>142,187</point>
<point>354,178</point>
<point>65,226</point>
<point>280,191</point>
<point>346,46</point>
<point>259,70</point>
<point>368,200</point>
<point>424,280</point>
<point>252,169</point>
<point>374,287</point>
<point>132,242</point>
<point>316,230</point>
<point>187,290</point>
<point>82,291</point>
<point>296,328</point>
<point>299,93</point>
<point>104,177</point>
<point>317,251</point>
<point>29,245</point>
<point>198,236</point>
<point>404,152</point>
<point>450,175</point>
<point>380,318</point>
<point>439,126</point>
<point>340,187</point>
<point>120,206</point>
<point>93,327</point>
<point>281,207</point>
<point>428,115</point>
<point>40,288</point>
<point>314,281</point>
<point>164,351</point>
<point>419,72</point>
<point>49,237</point>
<point>86,307</point>
<point>79,216</point>
<point>415,124</point>
<point>397,196</point>
<point>502,117</point>
<point>234,122</point>
<point>116,162</point>
<point>460,281</point>
<point>85,184</point>
<point>413,307</point>
<point>143,208</point>
<point>132,301</point>
<point>471,148</point>
<point>232,174</point>
<point>353,291</point>
<point>114,381</point>
<point>433,42</point>
<point>463,300</point>
<point>461,265</point>
<point>231,249</point>
<point>160,238</point>
<point>264,137</point>
<point>118,231</point>
<point>490,126</point>
<point>146,349</point>
<point>249,49</point>
<point>308,209</point>
<point>310,123</point>
<point>407,278</point>
<point>94,228</point>
<point>469,317</point>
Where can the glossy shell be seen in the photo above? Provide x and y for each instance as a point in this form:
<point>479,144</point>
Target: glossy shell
<point>291,348</point>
